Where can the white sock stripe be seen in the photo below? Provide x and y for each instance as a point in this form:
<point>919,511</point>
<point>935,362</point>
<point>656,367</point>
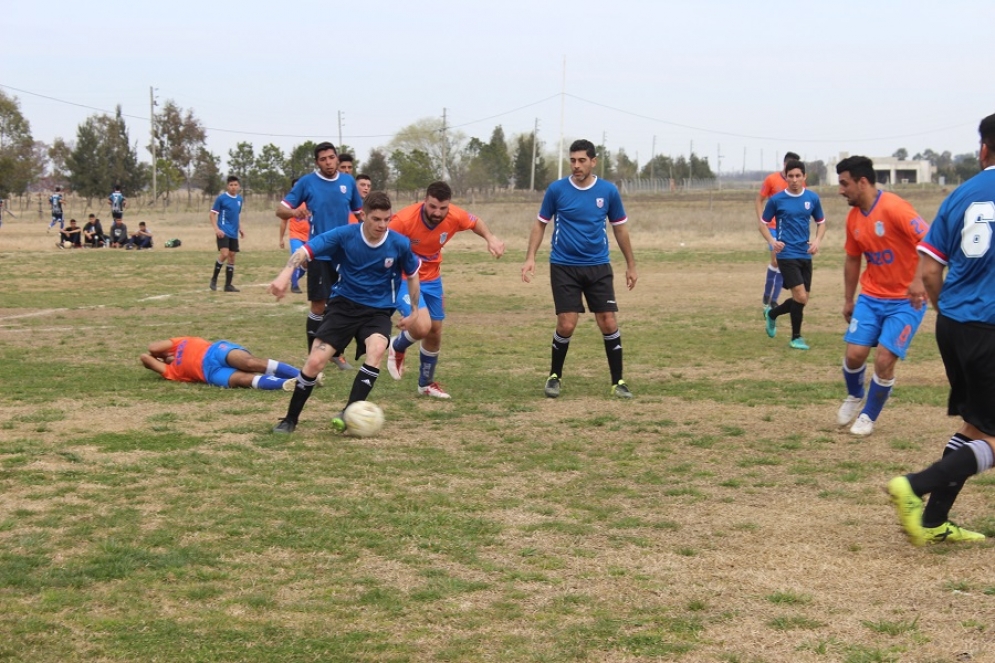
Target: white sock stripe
<point>560,339</point>
<point>855,370</point>
<point>371,372</point>
<point>882,383</point>
<point>407,335</point>
<point>304,382</point>
<point>315,316</point>
<point>429,353</point>
<point>271,366</point>
<point>982,454</point>
<point>255,381</point>
<point>956,443</point>
<point>612,337</point>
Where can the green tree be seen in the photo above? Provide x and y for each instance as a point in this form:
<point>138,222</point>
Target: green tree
<point>207,172</point>
<point>414,170</point>
<point>17,165</point>
<point>378,169</point>
<point>58,152</point>
<point>475,173</point>
<point>606,166</point>
<point>625,168</point>
<point>241,162</point>
<point>522,164</point>
<point>169,178</point>
<point>104,156</point>
<point>966,166</point>
<point>901,154</point>
<point>269,170</point>
<point>300,162</point>
<point>497,160</point>
<point>179,136</point>
<point>428,136</point>
<point>663,167</point>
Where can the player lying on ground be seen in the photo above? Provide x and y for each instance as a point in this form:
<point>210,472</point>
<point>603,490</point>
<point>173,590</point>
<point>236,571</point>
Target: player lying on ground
<point>219,363</point>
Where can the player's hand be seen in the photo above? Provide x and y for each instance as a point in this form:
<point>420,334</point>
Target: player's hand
<point>917,293</point>
<point>813,247</point>
<point>241,233</point>
<point>631,277</point>
<point>496,248</point>
<point>847,311</point>
<point>281,244</point>
<point>778,246</point>
<point>219,232</point>
<point>408,321</point>
<point>528,270</point>
<point>300,212</point>
<point>278,288</point>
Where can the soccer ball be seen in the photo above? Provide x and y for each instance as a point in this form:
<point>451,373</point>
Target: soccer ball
<point>363,419</point>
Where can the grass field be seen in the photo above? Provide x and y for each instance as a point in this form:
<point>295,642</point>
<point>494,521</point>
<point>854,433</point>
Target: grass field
<point>719,516</point>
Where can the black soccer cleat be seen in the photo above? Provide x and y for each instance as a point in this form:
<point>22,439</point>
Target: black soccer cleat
<point>286,426</point>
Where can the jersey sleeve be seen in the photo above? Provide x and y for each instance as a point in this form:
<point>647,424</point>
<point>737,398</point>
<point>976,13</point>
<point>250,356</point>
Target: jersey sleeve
<point>216,207</point>
<point>356,202</point>
<point>548,208</point>
<point>817,213</point>
<point>770,210</point>
<point>410,264</point>
<point>616,211</point>
<point>295,196</point>
<point>851,246</point>
<point>937,239</point>
<point>766,190</point>
<point>324,244</point>
<point>464,220</point>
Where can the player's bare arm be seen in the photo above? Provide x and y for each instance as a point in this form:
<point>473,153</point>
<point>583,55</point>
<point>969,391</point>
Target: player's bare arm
<point>414,293</point>
<point>625,245</point>
<point>535,239</point>
<point>283,231</point>
<point>278,287</point>
<point>851,275</point>
<point>214,224</point>
<point>820,232</point>
<point>494,245</point>
<point>930,272</point>
<point>758,204</point>
<point>917,290</point>
<point>768,235</point>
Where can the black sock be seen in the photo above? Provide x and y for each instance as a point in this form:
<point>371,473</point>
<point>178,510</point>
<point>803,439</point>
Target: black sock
<point>302,392</point>
<point>560,346</point>
<point>797,312</point>
<point>781,309</point>
<point>313,322</point>
<point>217,270</point>
<point>953,468</point>
<point>363,383</point>
<point>613,348</point>
<point>229,273</point>
<point>942,499</point>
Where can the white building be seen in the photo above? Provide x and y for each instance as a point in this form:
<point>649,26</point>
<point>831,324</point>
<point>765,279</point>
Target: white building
<point>889,170</point>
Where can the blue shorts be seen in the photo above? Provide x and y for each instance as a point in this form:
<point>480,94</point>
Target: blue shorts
<point>216,368</point>
<point>430,297</point>
<point>295,244</point>
<point>892,323</point>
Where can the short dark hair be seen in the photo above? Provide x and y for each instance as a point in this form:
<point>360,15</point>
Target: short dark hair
<point>363,176</point>
<point>93,216</point>
<point>58,188</point>
<point>794,163</point>
<point>72,220</point>
<point>117,187</point>
<point>141,223</point>
<point>583,145</point>
<point>345,156</point>
<point>791,156</point>
<point>987,131</point>
<point>377,200</point>
<point>322,147</point>
<point>233,178</point>
<point>858,167</point>
<point>440,191</point>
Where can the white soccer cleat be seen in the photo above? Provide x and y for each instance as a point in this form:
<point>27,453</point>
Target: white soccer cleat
<point>395,361</point>
<point>851,406</point>
<point>863,426</point>
<point>434,390</point>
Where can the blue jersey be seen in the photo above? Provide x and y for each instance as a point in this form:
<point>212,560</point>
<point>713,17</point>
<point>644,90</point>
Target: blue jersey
<point>117,201</point>
<point>580,237</point>
<point>56,201</point>
<point>793,213</point>
<point>329,201</point>
<point>961,238</point>
<point>368,274</point>
<point>229,209</point>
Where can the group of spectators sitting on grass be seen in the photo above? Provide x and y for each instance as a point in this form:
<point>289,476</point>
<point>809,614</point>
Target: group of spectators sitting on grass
<point>92,235</point>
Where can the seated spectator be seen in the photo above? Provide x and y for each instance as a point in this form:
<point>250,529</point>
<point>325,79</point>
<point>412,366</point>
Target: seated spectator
<point>118,234</point>
<point>72,236</point>
<point>143,238</point>
<point>93,233</point>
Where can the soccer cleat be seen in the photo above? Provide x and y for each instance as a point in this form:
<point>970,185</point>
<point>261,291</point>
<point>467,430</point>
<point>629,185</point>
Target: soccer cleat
<point>395,361</point>
<point>435,390</point>
<point>231,288</point>
<point>296,290</point>
<point>948,531</point>
<point>909,508</point>
<point>213,285</point>
<point>289,384</point>
<point>338,422</point>
<point>863,426</point>
<point>341,363</point>
<point>798,344</point>
<point>851,406</point>
<point>285,426</point>
<point>770,323</point>
<point>621,390</point>
<point>552,387</point>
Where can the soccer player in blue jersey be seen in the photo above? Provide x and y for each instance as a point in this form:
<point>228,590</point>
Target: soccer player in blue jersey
<point>794,208</point>
<point>371,261</point>
<point>330,197</point>
<point>225,215</point>
<point>959,242</point>
<point>117,202</point>
<point>578,206</point>
<point>56,200</point>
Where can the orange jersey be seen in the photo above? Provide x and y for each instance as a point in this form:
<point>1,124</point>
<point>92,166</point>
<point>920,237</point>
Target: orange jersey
<point>773,183</point>
<point>299,228</point>
<point>887,237</point>
<point>426,242</point>
<point>188,359</point>
<point>352,218</point>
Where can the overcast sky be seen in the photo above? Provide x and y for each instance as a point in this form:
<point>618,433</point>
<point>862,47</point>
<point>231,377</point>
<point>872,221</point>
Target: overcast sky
<point>757,78</point>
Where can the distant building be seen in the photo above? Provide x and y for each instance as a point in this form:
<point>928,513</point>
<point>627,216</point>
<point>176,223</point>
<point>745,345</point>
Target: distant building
<point>889,170</point>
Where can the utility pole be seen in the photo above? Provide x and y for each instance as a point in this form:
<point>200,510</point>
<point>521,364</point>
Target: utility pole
<point>718,165</point>
<point>744,161</point>
<point>604,150</point>
<point>535,149</point>
<point>155,160</point>
<point>445,146</point>
<point>690,162</point>
<point>340,130</point>
<point>563,101</point>
<point>653,160</point>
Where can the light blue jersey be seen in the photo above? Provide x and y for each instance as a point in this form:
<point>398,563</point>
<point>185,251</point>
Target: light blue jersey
<point>961,238</point>
<point>330,201</point>
<point>56,202</point>
<point>580,237</point>
<point>229,210</point>
<point>117,201</point>
<point>794,213</point>
<point>368,274</point>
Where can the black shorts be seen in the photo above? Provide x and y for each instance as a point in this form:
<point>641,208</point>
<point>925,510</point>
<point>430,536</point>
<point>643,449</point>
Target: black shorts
<point>796,272</point>
<point>321,276</point>
<point>345,320</point>
<point>117,215</point>
<point>968,352</point>
<point>57,216</point>
<point>595,282</point>
<point>230,243</point>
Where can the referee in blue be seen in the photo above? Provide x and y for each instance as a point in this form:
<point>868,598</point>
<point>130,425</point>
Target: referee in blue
<point>578,206</point>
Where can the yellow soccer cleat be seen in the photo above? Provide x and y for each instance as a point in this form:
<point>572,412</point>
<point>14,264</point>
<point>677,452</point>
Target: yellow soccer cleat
<point>909,508</point>
<point>948,531</point>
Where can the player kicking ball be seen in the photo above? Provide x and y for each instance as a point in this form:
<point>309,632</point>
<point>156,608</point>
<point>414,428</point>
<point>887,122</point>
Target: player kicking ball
<point>371,262</point>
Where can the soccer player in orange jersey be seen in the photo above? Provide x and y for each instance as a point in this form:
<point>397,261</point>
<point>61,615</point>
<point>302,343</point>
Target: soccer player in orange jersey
<point>221,363</point>
<point>773,183</point>
<point>884,230</point>
<point>429,225</point>
<point>300,229</point>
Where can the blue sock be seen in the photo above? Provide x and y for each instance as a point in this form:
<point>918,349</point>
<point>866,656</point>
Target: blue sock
<point>267,382</point>
<point>778,286</point>
<point>403,342</point>
<point>281,370</point>
<point>426,372</point>
<point>877,396</point>
<point>769,285</point>
<point>854,380</point>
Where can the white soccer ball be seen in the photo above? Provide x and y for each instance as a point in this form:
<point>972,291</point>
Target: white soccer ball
<point>363,419</point>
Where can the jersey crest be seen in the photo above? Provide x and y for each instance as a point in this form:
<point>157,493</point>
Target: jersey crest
<point>343,188</point>
<point>600,202</point>
<point>388,263</point>
<point>442,238</point>
<point>879,228</point>
<point>808,205</point>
